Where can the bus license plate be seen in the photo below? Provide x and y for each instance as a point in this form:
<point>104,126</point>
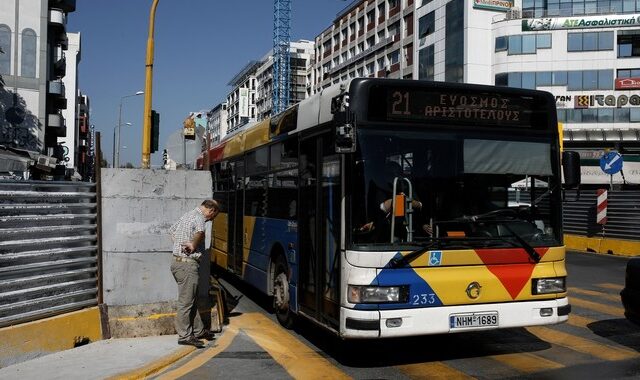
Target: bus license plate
<point>461,321</point>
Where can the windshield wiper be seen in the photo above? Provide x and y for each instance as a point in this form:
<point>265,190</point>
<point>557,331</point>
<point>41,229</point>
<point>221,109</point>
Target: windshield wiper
<point>527,247</point>
<point>404,260</point>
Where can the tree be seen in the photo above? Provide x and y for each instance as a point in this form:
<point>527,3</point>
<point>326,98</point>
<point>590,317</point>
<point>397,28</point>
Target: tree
<point>129,165</point>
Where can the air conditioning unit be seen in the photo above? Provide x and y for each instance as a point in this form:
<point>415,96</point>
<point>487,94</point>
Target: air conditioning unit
<point>513,13</point>
<point>46,163</point>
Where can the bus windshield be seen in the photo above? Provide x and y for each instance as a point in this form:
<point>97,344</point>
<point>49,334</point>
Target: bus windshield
<point>452,190</point>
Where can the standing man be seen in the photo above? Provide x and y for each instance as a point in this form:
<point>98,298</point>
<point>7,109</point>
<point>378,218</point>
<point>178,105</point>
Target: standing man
<point>187,235</point>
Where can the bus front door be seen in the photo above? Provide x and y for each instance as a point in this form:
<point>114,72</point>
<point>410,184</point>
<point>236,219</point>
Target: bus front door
<point>320,195</point>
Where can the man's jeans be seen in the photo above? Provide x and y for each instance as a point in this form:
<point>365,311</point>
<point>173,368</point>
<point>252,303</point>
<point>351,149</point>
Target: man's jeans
<point>188,320</point>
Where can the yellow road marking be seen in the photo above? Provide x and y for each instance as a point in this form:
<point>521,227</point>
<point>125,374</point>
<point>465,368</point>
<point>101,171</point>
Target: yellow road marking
<point>578,321</point>
<point>593,348</point>
<point>526,362</point>
<point>150,317</point>
<point>610,297</point>
<point>618,288</point>
<point>605,309</point>
<point>436,370</point>
<point>221,344</point>
<point>299,360</point>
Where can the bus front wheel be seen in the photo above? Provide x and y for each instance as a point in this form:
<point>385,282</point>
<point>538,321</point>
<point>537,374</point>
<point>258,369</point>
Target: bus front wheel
<point>281,296</point>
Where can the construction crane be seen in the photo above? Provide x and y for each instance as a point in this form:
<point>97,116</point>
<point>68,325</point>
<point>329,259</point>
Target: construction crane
<point>281,54</point>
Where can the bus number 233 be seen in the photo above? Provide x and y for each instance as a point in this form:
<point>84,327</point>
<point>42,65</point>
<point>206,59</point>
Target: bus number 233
<point>423,299</point>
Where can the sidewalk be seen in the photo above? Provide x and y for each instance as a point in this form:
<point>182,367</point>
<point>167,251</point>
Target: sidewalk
<point>130,358</point>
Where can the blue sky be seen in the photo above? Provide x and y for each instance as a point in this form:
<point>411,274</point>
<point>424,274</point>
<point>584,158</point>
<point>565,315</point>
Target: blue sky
<point>199,46</point>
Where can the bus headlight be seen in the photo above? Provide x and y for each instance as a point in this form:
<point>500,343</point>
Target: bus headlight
<point>377,294</point>
<point>548,285</point>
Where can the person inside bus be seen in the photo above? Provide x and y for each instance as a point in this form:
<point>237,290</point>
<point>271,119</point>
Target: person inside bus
<point>380,204</point>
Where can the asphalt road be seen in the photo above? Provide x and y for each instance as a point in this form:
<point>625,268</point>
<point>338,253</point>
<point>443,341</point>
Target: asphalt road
<point>596,343</point>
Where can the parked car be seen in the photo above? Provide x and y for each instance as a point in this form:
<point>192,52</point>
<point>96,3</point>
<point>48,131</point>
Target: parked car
<point>630,294</point>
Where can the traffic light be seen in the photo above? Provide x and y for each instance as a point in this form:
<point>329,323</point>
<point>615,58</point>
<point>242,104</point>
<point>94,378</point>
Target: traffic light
<point>155,131</point>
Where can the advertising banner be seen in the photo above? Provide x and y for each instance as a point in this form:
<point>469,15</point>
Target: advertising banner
<point>586,22</point>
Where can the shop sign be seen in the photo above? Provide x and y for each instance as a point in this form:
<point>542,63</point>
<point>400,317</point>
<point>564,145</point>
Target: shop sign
<point>588,22</point>
<point>627,83</point>
<point>493,5</point>
<point>599,100</point>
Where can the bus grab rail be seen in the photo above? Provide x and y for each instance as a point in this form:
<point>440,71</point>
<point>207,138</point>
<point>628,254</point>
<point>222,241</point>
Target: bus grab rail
<point>408,207</point>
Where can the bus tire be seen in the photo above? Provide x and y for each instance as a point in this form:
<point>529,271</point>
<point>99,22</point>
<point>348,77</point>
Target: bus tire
<point>281,297</point>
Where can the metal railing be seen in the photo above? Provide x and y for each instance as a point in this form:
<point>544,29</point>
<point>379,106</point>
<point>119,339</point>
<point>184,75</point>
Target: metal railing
<point>623,215</point>
<point>48,249</point>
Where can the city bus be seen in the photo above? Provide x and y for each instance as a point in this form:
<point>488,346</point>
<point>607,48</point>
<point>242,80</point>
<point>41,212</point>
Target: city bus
<point>381,208</point>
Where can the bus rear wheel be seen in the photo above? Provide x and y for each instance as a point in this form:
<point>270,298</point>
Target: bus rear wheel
<point>281,298</point>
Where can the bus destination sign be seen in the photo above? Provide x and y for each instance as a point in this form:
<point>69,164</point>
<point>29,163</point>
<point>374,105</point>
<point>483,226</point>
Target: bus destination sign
<point>487,109</point>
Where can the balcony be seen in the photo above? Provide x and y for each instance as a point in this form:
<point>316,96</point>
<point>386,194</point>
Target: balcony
<point>59,63</point>
<point>65,5</point>
<point>57,18</point>
<point>56,87</point>
<point>55,123</point>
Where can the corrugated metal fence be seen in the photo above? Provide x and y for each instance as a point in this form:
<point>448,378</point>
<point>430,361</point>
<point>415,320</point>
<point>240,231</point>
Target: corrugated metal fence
<point>48,249</point>
<point>623,215</point>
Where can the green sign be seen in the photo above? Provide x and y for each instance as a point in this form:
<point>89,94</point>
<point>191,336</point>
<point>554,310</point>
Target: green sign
<point>587,22</point>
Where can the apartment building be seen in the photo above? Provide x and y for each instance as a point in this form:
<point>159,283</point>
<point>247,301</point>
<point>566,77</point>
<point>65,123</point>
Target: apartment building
<point>251,97</point>
<point>369,38</point>
<point>217,122</point>
<point>241,100</point>
<point>33,64</point>
<point>300,61</point>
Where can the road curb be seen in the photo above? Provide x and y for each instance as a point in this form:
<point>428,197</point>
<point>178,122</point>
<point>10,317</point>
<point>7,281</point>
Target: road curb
<point>617,247</point>
<point>155,366</point>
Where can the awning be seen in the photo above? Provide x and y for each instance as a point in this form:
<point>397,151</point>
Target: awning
<point>14,161</point>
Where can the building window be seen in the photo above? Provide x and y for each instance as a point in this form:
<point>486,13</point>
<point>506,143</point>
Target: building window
<point>394,57</point>
<point>394,29</point>
<point>523,43</point>
<point>371,16</point>
<point>628,43</point>
<point>543,41</point>
<point>426,24</point>
<point>426,63</point>
<point>628,73</point>
<point>589,41</point>
<point>501,43</point>
<point>515,45</point>
<point>574,80</point>
<point>371,41</point>
<point>28,54</point>
<point>454,42</point>
<point>529,44</point>
<point>5,44</point>
<point>371,68</point>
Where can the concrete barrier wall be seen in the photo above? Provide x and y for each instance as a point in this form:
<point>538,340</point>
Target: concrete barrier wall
<point>138,207</point>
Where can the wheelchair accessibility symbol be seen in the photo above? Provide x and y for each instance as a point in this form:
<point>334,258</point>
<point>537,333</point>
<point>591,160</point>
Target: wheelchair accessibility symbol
<point>435,258</point>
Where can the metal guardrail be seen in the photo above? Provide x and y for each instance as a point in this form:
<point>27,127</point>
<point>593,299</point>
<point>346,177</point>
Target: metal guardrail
<point>579,214</point>
<point>623,215</point>
<point>48,249</point>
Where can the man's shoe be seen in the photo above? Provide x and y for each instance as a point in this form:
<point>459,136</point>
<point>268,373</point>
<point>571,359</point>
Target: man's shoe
<point>207,335</point>
<point>191,341</point>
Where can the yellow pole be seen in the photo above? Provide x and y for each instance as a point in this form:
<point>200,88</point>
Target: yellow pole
<point>146,122</point>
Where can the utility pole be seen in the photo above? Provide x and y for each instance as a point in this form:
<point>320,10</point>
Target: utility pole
<point>146,122</point>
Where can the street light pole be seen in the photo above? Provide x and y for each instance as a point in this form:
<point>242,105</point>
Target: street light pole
<point>116,150</point>
<point>146,122</point>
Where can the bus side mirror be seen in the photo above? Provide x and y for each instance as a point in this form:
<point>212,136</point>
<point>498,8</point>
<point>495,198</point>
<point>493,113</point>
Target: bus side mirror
<point>571,169</point>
